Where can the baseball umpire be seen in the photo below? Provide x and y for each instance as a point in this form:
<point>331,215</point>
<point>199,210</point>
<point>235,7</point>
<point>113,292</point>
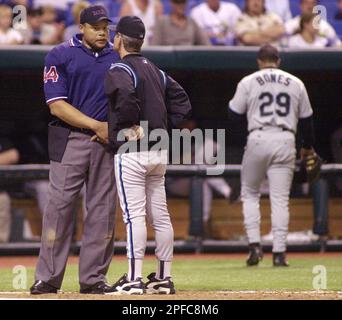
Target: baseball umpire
<point>73,85</point>
<point>139,91</point>
<point>275,103</point>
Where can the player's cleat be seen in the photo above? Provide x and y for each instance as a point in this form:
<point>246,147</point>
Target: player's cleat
<point>98,288</point>
<point>41,287</point>
<point>156,286</point>
<point>255,254</point>
<point>124,286</point>
<point>279,259</point>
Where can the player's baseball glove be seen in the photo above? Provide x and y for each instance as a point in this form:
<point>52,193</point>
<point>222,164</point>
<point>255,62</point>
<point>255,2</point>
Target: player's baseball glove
<point>312,165</point>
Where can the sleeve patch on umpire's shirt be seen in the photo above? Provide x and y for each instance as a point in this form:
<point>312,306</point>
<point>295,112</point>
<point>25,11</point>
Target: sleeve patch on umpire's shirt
<point>52,74</point>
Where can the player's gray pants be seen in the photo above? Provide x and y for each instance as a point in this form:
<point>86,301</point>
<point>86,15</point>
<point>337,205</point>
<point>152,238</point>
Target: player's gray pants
<point>271,153</point>
<point>140,183</point>
<point>83,162</point>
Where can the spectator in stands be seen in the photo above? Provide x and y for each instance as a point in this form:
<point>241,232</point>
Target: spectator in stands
<point>308,36</point>
<point>76,10</point>
<point>59,4</point>
<point>279,7</point>
<point>8,155</point>
<point>338,15</point>
<point>256,26</point>
<point>37,31</point>
<point>178,29</point>
<point>51,17</point>
<point>13,3</point>
<point>8,35</point>
<point>218,20</point>
<point>147,10</point>
<point>325,29</point>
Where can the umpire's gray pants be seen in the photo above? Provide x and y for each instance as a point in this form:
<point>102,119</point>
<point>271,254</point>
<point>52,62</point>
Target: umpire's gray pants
<point>83,162</point>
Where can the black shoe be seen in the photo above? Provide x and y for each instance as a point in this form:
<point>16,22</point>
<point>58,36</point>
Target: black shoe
<point>156,286</point>
<point>98,288</point>
<point>255,254</point>
<point>125,286</point>
<point>41,287</point>
<point>279,259</point>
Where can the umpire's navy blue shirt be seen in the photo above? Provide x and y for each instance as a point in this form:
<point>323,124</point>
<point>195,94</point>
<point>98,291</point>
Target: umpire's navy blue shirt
<point>75,74</point>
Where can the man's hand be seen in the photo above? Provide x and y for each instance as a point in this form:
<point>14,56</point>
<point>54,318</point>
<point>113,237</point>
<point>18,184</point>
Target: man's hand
<point>134,133</point>
<point>101,130</point>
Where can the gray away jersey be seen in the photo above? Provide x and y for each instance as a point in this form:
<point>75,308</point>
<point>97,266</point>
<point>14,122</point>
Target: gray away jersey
<point>271,97</point>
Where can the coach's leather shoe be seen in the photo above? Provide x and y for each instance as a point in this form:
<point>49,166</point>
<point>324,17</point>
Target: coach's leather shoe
<point>98,288</point>
<point>41,287</point>
<point>279,259</point>
<point>255,254</point>
<point>157,286</point>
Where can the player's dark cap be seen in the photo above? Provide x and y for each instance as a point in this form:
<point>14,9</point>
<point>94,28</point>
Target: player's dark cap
<point>131,26</point>
<point>268,53</point>
<point>93,15</point>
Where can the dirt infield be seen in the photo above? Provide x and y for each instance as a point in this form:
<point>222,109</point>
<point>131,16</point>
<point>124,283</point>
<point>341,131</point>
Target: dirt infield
<point>190,295</point>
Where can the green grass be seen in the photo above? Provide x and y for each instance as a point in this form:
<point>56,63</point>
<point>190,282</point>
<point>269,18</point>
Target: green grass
<point>218,274</point>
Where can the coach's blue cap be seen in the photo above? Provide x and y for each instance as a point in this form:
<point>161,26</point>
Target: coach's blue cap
<point>94,14</point>
<point>131,26</point>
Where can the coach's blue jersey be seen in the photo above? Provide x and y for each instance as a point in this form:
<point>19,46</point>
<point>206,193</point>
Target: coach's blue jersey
<point>76,74</point>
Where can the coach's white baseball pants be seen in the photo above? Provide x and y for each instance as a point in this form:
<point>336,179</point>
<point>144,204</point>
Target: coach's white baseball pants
<point>268,153</point>
<point>141,188</point>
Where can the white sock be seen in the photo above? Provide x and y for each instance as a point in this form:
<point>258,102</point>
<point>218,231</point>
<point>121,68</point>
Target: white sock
<point>134,269</point>
<point>163,270</point>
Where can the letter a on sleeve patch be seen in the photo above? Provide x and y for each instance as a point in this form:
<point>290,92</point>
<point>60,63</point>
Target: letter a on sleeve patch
<point>52,74</point>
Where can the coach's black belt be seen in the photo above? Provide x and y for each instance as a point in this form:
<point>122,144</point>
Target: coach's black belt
<point>263,128</point>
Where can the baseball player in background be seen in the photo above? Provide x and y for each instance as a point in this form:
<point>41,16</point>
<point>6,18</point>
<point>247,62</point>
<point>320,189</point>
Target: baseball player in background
<point>73,85</point>
<point>275,102</point>
<point>139,91</point>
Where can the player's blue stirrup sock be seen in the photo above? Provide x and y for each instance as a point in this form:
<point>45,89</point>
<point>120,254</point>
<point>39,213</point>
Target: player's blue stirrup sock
<point>164,269</point>
<point>135,269</point>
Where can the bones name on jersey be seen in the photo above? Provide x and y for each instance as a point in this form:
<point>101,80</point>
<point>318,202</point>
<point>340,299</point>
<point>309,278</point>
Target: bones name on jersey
<point>273,78</point>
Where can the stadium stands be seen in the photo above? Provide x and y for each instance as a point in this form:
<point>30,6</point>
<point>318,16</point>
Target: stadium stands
<point>113,7</point>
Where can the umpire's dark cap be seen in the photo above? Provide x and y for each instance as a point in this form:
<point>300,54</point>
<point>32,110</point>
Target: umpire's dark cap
<point>131,26</point>
<point>93,15</point>
<point>269,53</point>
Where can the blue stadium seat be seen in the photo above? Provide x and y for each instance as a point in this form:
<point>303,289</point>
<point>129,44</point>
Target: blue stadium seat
<point>337,24</point>
<point>294,7</point>
<point>69,19</point>
<point>239,3</point>
<point>114,8</point>
<point>331,8</point>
